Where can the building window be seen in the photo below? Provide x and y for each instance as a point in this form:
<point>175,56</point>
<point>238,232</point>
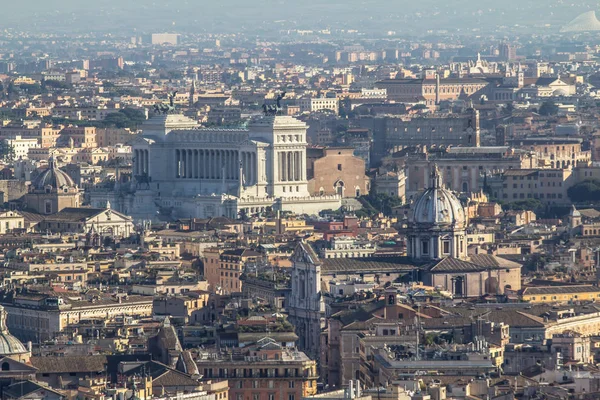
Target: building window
<point>291,384</point>
<point>339,166</point>
<point>425,247</point>
<point>446,246</point>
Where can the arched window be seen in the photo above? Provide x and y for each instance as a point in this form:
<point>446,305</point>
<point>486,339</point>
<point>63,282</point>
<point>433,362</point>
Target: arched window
<point>5,366</point>
<point>339,188</point>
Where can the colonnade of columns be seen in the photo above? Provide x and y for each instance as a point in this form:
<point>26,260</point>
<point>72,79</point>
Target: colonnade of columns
<point>141,165</point>
<point>290,166</point>
<point>216,164</point>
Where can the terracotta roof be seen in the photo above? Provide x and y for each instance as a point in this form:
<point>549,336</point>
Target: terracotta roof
<point>450,264</point>
<point>367,264</point>
<point>47,365</point>
<point>25,388</point>
<point>172,377</point>
<point>515,319</point>
<point>560,289</point>
<point>489,260</point>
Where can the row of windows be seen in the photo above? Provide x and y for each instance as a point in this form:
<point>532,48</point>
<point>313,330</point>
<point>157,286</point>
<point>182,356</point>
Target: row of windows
<point>534,196</point>
<point>256,396</point>
<point>516,186</point>
<point>256,373</point>
<point>564,297</point>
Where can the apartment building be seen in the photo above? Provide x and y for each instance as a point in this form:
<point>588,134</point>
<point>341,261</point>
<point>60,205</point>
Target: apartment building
<point>265,371</point>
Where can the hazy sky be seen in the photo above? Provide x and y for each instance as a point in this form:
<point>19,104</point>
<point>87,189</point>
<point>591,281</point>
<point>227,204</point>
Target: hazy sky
<point>249,15</point>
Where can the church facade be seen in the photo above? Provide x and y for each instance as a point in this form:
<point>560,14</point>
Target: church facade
<point>306,307</point>
<point>436,236</point>
<point>182,170</point>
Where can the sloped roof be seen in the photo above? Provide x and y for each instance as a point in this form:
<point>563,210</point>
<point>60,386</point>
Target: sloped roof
<point>187,363</point>
<point>172,377</point>
<point>81,214</point>
<point>306,251</point>
<point>488,260</point>
<point>560,289</point>
<point>51,364</point>
<point>24,388</point>
<point>515,318</point>
<point>479,262</point>
<point>367,264</point>
<point>451,264</point>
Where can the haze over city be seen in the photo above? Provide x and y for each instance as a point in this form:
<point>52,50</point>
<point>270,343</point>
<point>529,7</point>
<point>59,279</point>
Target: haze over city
<point>299,200</point>
<point>374,16</point>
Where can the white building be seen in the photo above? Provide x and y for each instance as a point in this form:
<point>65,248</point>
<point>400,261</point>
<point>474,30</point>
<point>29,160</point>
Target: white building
<point>22,145</point>
<point>319,104</point>
<point>183,171</point>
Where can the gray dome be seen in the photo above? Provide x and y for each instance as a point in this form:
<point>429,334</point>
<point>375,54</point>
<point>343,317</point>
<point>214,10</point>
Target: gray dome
<point>9,344</point>
<point>586,22</point>
<point>438,206</point>
<point>53,176</point>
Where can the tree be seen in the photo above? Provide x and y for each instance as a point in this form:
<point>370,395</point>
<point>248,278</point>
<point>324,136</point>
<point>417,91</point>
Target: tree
<point>375,203</point>
<point>118,120</point>
<point>529,204</point>
<point>548,108</point>
<point>7,151</point>
<point>585,191</point>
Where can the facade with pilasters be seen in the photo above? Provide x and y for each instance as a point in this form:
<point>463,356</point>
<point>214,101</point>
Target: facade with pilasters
<point>187,171</point>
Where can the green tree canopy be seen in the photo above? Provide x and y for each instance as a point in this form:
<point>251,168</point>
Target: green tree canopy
<point>585,191</point>
<point>375,203</point>
<point>548,108</point>
<point>529,204</point>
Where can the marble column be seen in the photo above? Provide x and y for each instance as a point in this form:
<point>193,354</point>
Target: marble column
<point>205,165</point>
<point>284,175</point>
<point>219,164</point>
<point>232,164</point>
<point>146,159</point>
<point>200,164</point>
<point>296,166</point>
<point>226,164</point>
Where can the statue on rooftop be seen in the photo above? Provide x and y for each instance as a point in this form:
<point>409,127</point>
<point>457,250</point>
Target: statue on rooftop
<point>163,108</point>
<point>274,109</point>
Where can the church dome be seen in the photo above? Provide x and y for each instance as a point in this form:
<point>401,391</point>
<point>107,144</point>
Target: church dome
<point>9,345</point>
<point>438,206</point>
<point>54,177</point>
<point>586,22</point>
